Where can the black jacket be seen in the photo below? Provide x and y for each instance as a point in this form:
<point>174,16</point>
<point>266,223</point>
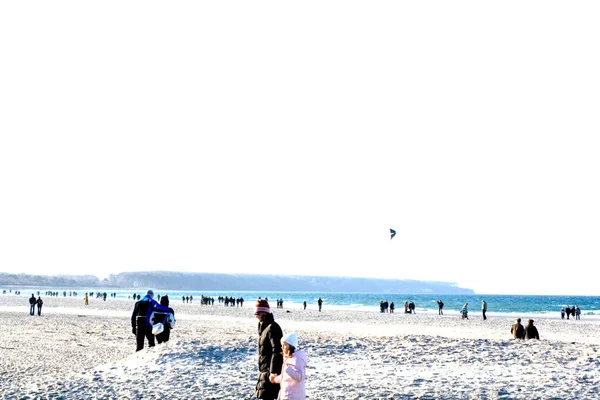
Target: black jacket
<point>531,332</point>
<point>270,358</point>
<point>144,308</point>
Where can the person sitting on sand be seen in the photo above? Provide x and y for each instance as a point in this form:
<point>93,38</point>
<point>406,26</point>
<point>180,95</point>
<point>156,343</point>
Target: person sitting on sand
<point>531,331</point>
<point>140,319</point>
<point>293,372</point>
<point>517,330</point>
<point>464,312</point>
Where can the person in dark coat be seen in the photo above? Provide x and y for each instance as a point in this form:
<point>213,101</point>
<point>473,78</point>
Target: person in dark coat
<point>270,357</point>
<point>166,319</point>
<point>32,302</point>
<point>39,303</point>
<point>531,331</point>
<point>140,319</point>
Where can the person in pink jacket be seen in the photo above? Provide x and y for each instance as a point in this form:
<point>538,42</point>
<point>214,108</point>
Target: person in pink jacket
<point>293,372</point>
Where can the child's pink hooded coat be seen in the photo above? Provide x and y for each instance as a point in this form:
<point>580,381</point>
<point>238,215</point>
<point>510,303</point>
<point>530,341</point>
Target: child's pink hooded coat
<point>293,376</point>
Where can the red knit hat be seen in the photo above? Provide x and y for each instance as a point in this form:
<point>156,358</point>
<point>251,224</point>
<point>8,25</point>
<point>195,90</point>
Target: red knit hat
<point>262,306</point>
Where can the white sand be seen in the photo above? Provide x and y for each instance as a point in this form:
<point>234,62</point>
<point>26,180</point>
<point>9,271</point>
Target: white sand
<point>79,352</point>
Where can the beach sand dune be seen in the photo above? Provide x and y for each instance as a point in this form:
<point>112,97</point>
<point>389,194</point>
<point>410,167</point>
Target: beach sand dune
<point>79,352</point>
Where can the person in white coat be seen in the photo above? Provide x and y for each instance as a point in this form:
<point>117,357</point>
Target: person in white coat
<point>293,372</point>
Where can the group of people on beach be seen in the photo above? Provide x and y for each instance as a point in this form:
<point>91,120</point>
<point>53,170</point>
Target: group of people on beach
<point>568,311</point>
<point>281,365</point>
<point>528,332</point>
<point>35,302</point>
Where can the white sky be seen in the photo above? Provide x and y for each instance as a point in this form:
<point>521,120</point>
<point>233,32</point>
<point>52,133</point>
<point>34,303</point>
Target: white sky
<point>280,137</point>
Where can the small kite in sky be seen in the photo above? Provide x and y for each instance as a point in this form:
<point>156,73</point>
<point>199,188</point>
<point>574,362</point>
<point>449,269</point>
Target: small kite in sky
<point>392,233</point>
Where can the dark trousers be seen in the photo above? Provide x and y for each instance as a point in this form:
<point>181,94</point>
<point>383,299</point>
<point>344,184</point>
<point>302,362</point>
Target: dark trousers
<point>143,332</point>
<point>39,310</point>
<point>483,312</point>
<point>164,336</point>
<point>32,309</point>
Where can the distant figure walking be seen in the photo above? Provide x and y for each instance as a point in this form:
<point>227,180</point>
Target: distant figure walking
<point>32,302</point>
<point>320,303</point>
<point>577,312</point>
<point>86,299</point>
<point>568,311</point>
<point>464,312</point>
<point>304,304</point>
<point>517,330</point>
<point>483,309</point>
<point>531,331</point>
<point>562,313</point>
<point>440,307</point>
<point>411,307</point>
<point>39,303</point>
<point>392,306</point>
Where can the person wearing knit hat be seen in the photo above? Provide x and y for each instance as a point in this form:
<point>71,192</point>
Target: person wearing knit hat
<point>293,373</point>
<point>262,306</point>
<point>270,358</point>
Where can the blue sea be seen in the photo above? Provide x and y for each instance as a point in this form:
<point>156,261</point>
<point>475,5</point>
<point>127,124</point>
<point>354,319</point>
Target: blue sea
<point>497,304</point>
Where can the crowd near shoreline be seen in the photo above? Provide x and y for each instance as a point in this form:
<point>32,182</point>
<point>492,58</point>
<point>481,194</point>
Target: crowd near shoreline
<point>91,353</point>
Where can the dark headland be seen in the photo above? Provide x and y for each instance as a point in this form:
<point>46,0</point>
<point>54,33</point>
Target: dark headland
<point>234,282</point>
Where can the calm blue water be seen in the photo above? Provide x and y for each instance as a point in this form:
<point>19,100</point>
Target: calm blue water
<point>497,304</point>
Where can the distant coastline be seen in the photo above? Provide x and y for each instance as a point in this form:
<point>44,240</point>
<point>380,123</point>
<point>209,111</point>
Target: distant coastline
<point>234,282</point>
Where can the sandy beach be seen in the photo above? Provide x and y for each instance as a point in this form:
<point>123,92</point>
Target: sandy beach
<point>81,352</point>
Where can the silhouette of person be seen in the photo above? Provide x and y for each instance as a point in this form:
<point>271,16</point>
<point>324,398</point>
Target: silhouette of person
<point>39,303</point>
<point>483,309</point>
<point>464,312</point>
<point>517,330</point>
<point>304,304</point>
<point>167,319</point>
<point>32,302</point>
<point>320,303</point>
<point>531,331</point>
